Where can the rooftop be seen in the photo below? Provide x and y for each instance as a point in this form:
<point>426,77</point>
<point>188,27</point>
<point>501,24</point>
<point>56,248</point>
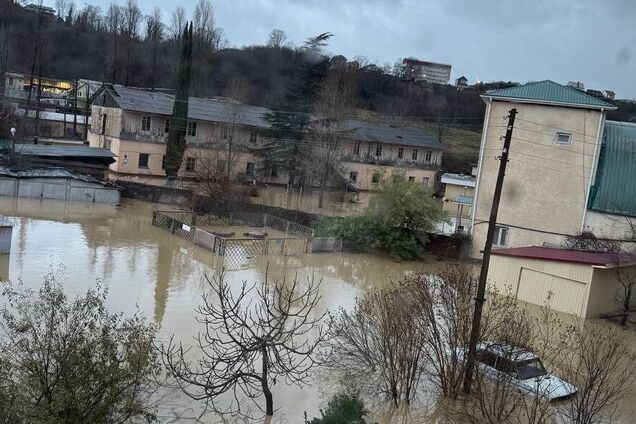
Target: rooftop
<point>63,151</point>
<point>458,179</point>
<point>218,110</point>
<point>550,93</point>
<point>596,259</point>
<point>50,172</point>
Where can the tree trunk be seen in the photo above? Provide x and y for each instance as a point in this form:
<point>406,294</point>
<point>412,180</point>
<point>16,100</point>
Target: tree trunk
<point>269,401</point>
<point>626,304</point>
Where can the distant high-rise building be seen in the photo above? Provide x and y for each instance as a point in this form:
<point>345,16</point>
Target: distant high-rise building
<point>419,70</point>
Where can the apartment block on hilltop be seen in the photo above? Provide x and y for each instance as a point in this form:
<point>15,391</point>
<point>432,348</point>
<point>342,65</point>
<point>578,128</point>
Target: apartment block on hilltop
<point>420,70</point>
<point>570,169</point>
<point>134,124</point>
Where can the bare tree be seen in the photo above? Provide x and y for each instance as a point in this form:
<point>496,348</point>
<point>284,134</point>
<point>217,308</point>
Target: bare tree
<point>131,19</point>
<point>177,22</point>
<point>328,131</point>
<point>154,35</point>
<point>379,344</point>
<point>276,38</point>
<point>235,93</point>
<point>600,363</point>
<point>207,39</point>
<point>253,339</point>
<point>114,26</point>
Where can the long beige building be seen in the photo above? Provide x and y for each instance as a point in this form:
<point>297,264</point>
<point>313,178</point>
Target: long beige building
<point>569,168</point>
<point>134,124</point>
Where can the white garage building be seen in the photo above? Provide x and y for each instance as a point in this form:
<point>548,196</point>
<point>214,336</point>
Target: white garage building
<point>577,282</point>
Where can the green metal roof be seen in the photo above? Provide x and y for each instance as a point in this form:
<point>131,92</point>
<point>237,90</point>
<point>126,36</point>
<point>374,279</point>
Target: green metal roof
<point>549,92</point>
<point>614,189</point>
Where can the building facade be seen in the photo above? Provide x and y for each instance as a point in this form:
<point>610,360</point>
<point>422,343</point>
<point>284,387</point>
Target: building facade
<point>419,70</point>
<point>459,191</point>
<point>568,171</point>
<point>134,124</point>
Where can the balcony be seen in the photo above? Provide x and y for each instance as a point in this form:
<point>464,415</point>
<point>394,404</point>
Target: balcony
<point>144,136</point>
<point>398,163</point>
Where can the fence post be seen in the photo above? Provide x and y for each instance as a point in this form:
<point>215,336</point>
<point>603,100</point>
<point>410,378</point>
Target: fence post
<point>264,220</point>
<point>154,218</point>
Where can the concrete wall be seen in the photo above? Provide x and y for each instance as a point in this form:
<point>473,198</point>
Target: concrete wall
<point>58,188</point>
<point>366,171</point>
<point>546,183</point>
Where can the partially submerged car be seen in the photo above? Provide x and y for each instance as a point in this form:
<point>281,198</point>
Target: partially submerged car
<point>520,367</point>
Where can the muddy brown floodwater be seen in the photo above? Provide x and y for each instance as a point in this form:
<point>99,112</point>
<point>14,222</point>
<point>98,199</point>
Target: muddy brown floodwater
<point>162,275</point>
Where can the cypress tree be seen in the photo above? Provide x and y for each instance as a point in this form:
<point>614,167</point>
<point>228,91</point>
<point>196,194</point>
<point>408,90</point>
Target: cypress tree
<point>178,122</point>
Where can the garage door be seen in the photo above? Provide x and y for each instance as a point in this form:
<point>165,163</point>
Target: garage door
<point>563,294</point>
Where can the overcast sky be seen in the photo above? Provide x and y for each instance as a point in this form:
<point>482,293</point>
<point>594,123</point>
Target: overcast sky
<point>593,41</point>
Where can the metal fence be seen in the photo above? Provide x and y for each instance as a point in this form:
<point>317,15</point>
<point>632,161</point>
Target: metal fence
<point>188,225</point>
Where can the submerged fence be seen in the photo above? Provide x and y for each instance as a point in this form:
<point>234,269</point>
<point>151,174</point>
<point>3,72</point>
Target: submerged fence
<point>298,239</point>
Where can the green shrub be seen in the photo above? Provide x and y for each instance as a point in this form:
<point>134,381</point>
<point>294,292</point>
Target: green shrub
<point>342,408</point>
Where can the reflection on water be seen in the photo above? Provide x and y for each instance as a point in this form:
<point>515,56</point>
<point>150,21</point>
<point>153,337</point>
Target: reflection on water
<point>163,275</point>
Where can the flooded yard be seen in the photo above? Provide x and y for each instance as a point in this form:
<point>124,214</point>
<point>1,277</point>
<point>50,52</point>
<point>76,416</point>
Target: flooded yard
<point>147,268</point>
<point>163,275</point>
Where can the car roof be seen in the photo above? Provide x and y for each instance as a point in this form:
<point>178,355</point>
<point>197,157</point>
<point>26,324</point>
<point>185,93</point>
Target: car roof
<point>507,350</point>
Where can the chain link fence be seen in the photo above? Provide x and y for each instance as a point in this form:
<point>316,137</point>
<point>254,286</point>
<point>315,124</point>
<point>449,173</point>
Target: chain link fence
<point>297,241</point>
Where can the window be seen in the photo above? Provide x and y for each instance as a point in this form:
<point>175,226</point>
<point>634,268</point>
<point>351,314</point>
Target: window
<point>429,156</point>
<point>249,169</point>
<point>103,129</point>
<point>501,235</point>
<point>375,179</point>
<point>166,126</point>
<point>425,181</point>
<point>353,176</point>
<point>378,150</point>
<point>400,152</point>
<point>190,164</point>
<point>411,179</point>
<point>356,148</point>
<point>163,162</point>
<point>145,122</point>
<point>563,138</point>
<point>143,160</point>
<point>274,172</point>
<point>192,128</point>
<point>414,154</point>
<point>253,137</point>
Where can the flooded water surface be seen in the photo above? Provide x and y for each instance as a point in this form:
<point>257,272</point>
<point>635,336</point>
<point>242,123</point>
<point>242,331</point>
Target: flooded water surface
<point>162,275</point>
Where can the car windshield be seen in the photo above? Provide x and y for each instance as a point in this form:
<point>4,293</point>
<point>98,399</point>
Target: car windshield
<point>531,368</point>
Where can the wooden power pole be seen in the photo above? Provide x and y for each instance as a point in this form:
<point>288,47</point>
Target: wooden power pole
<point>483,275</point>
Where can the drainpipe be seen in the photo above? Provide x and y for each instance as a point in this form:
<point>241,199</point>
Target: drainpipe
<point>594,166</point>
<point>482,147</point>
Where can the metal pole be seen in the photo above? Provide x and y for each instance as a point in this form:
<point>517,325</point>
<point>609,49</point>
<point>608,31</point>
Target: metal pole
<point>481,288</point>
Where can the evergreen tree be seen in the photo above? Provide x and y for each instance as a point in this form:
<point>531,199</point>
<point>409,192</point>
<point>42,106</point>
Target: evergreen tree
<point>288,126</point>
<point>178,122</point>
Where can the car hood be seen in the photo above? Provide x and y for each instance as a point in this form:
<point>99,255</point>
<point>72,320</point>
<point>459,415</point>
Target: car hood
<point>548,387</point>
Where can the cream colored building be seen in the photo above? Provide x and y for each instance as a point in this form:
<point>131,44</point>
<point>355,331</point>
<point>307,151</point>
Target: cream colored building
<point>553,186</point>
<point>459,191</point>
<point>586,284</point>
<point>134,124</point>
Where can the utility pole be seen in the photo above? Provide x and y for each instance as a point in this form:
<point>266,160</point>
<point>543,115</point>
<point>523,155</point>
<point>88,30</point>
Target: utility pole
<point>481,288</point>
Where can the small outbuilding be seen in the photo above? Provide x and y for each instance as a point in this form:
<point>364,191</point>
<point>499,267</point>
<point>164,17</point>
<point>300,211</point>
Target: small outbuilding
<point>582,283</point>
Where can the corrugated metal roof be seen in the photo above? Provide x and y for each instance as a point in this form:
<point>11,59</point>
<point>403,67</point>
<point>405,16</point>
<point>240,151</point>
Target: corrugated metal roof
<point>63,151</point>
<point>614,189</point>
<point>216,110</point>
<point>568,255</point>
<point>51,172</point>
<point>550,92</point>
<point>464,199</point>
<point>458,179</point>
